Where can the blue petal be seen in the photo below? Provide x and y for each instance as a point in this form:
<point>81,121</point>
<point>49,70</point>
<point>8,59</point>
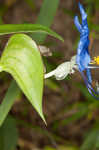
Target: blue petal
<point>77,24</point>
<point>83,57</point>
<point>88,73</point>
<point>83,13</point>
<point>94,93</point>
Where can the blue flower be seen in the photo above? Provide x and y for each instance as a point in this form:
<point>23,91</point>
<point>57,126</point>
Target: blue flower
<point>83,59</point>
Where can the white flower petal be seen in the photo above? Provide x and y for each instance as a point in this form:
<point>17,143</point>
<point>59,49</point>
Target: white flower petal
<point>97,86</point>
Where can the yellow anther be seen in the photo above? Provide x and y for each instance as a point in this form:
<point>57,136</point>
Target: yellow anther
<point>96,60</point>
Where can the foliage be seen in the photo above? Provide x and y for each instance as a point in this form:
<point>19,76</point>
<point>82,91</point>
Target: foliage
<point>8,134</point>
<point>81,114</point>
<point>20,59</point>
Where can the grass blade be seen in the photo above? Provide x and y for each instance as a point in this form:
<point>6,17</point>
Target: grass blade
<point>46,16</point>
<point>13,91</point>
<point>11,95</point>
<point>26,28</point>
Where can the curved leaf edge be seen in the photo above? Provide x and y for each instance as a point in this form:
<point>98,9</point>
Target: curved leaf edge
<point>27,28</point>
<point>3,68</point>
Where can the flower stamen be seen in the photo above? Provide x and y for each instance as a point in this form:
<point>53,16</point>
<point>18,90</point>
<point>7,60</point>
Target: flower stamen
<point>95,61</point>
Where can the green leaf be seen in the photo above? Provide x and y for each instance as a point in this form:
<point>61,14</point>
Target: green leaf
<point>8,96</point>
<point>91,140</point>
<point>31,4</point>
<point>21,58</point>
<point>8,135</point>
<point>49,8</point>
<point>83,89</point>
<point>26,28</point>
<point>68,12</point>
<point>11,95</point>
<point>61,147</point>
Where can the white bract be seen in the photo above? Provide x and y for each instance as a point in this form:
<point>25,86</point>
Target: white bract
<point>97,86</point>
<point>63,69</point>
<point>45,51</point>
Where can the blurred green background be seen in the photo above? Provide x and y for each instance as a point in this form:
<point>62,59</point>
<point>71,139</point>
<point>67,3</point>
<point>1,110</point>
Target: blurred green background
<point>72,114</point>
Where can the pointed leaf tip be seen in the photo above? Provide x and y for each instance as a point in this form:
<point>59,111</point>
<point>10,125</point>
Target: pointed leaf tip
<point>21,58</point>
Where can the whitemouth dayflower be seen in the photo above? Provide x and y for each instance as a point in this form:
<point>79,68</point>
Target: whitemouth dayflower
<point>82,61</point>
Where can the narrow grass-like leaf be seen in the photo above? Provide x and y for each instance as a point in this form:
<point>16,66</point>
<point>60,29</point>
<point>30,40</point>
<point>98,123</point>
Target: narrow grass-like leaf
<point>90,140</point>
<point>68,12</point>
<point>30,3</point>
<point>8,96</point>
<point>8,134</point>
<point>26,28</point>
<point>21,58</point>
<point>11,95</point>
<point>46,16</point>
